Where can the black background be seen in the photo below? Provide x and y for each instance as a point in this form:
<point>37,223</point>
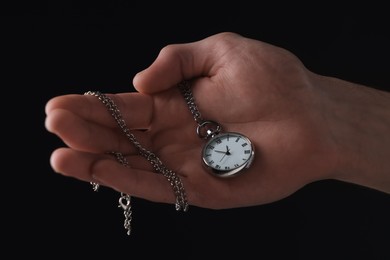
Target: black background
<point>66,47</point>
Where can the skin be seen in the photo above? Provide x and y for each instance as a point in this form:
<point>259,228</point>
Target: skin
<point>305,127</point>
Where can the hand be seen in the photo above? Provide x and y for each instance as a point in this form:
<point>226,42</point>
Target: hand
<point>295,118</point>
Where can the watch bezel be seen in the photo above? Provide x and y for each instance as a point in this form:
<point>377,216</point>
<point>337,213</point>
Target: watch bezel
<point>232,172</point>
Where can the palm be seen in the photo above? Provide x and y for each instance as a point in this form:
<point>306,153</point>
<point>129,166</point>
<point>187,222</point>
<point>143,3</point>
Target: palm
<point>174,139</point>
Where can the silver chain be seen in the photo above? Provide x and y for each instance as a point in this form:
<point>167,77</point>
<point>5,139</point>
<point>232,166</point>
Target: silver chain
<point>124,199</point>
<point>206,128</point>
<point>185,89</point>
<point>174,180</point>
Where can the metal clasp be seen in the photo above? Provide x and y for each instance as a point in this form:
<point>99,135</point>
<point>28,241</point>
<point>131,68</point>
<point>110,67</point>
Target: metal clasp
<point>124,202</point>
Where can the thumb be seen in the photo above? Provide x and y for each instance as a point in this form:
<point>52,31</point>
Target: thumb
<point>177,62</point>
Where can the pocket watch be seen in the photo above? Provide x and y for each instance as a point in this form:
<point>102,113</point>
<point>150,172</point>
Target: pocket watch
<point>225,154</point>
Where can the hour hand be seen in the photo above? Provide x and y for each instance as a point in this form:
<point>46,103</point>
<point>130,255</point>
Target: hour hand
<point>217,151</point>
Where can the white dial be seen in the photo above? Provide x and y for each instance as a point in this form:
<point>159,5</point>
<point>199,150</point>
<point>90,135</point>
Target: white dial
<point>226,154</point>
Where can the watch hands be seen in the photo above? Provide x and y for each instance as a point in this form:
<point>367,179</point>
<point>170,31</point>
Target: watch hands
<point>225,153</point>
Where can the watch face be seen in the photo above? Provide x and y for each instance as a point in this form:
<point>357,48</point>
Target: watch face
<point>227,154</point>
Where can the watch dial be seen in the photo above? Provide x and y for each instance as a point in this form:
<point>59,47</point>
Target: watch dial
<point>228,153</point>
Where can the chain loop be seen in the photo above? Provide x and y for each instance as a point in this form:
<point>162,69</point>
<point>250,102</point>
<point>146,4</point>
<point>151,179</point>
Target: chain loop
<point>174,180</point>
<point>208,129</point>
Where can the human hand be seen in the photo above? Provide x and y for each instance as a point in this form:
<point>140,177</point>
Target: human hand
<point>247,86</point>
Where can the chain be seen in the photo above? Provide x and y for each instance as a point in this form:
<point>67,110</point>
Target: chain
<point>185,89</point>
<point>206,128</point>
<point>125,199</point>
<point>174,180</point>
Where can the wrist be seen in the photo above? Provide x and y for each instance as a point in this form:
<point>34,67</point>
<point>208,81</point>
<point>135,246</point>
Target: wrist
<point>358,118</point>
